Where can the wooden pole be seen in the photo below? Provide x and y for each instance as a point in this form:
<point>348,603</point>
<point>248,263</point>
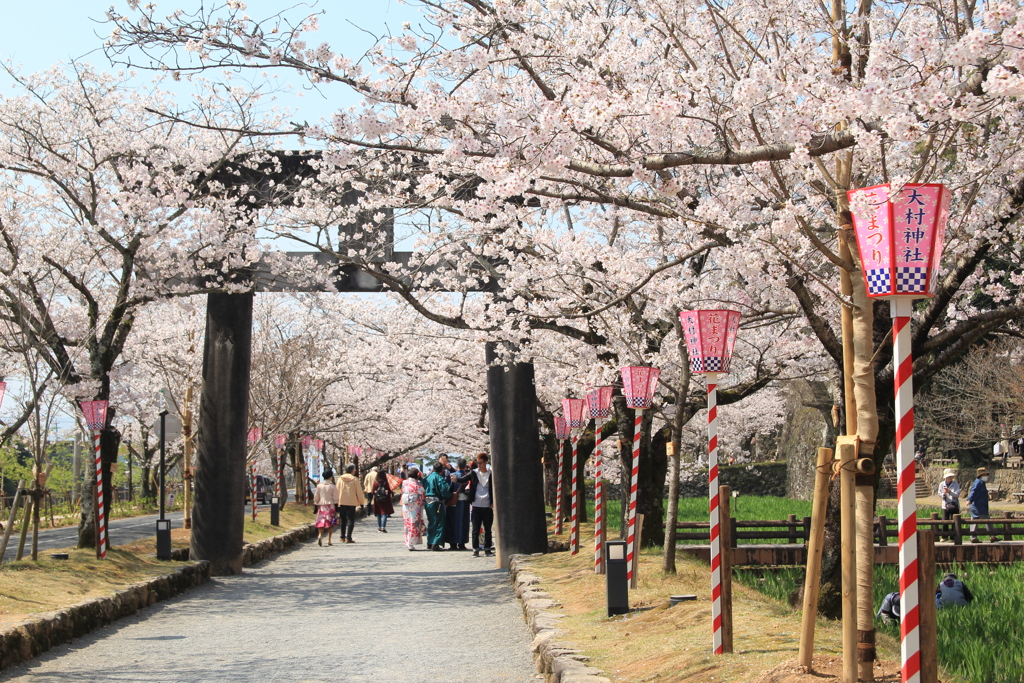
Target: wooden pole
<point>926,607</point>
<point>186,474</point>
<point>865,530</point>
<point>11,519</point>
<point>24,528</point>
<point>634,580</point>
<point>812,580</point>
<point>848,527</point>
<point>724,501</point>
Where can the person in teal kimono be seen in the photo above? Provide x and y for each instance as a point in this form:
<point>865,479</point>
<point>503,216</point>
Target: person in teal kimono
<point>437,489</point>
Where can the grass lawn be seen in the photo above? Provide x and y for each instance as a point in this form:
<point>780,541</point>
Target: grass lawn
<point>28,587</point>
<point>981,643</point>
<point>658,643</point>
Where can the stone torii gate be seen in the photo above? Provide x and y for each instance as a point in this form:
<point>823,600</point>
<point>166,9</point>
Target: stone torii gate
<point>218,510</point>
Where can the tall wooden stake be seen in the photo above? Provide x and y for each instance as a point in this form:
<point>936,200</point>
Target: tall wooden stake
<point>186,485</point>
<point>815,543</point>
<point>11,519</point>
<point>847,456</point>
<point>929,627</point>
<point>724,503</point>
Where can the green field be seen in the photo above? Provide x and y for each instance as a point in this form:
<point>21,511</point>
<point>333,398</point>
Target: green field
<point>981,643</point>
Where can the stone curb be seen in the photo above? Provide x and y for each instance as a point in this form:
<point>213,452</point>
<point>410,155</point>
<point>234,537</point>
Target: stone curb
<point>31,638</point>
<point>558,660</point>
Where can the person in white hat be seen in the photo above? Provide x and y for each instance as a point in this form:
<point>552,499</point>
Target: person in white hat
<point>949,495</point>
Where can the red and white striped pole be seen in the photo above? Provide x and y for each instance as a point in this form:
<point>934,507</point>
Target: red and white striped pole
<point>101,508</point>
<point>574,527</point>
<point>716,529</point>
<point>558,488</point>
<point>598,501</point>
<point>633,480</point>
<point>910,632</point>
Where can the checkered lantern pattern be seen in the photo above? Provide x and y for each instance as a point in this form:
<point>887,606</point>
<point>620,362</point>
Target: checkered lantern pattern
<point>561,428</point>
<point>95,413</point>
<point>599,402</point>
<point>879,280</point>
<point>911,279</point>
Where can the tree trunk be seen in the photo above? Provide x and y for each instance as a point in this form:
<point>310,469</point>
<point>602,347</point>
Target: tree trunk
<point>668,564</point>
<point>219,507</point>
<point>651,477</point>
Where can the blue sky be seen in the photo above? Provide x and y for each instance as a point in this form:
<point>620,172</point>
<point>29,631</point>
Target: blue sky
<point>39,33</point>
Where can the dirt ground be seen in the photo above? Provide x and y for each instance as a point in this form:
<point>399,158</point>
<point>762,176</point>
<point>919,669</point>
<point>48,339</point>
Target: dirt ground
<point>825,670</point>
<point>656,642</point>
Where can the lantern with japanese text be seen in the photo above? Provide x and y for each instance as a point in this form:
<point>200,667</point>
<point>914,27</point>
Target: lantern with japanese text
<point>255,434</point>
<point>95,414</point>
<point>562,432</point>
<point>638,385</point>
<point>599,406</point>
<point>710,337</point>
<point>573,409</point>
<point>900,236</point>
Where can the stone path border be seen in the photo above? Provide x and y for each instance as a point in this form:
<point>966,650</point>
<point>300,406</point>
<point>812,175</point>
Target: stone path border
<point>558,660</point>
<point>31,638</point>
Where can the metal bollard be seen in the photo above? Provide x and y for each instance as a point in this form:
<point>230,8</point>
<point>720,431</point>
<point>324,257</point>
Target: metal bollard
<point>275,511</point>
<point>616,577</point>
<point>163,539</point>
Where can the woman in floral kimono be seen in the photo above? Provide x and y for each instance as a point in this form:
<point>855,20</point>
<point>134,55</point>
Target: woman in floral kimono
<point>325,499</point>
<point>412,508</point>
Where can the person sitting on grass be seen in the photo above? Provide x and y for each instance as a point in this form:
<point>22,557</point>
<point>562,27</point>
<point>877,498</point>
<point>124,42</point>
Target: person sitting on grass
<point>953,591</point>
<point>889,612</point>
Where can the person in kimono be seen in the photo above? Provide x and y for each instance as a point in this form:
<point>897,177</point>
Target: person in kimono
<point>437,489</point>
<point>412,507</point>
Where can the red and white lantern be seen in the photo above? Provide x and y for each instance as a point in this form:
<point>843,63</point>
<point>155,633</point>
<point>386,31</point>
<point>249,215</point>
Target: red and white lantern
<point>562,433</point>
<point>638,385</point>
<point>599,407</point>
<point>3,389</point>
<point>95,413</point>
<point>900,238</point>
<point>710,337</point>
<point>574,409</point>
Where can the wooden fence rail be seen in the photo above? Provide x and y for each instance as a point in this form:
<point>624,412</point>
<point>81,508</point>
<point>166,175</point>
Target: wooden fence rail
<point>793,530</point>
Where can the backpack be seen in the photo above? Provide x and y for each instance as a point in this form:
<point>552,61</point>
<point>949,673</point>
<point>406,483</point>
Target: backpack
<point>381,494</point>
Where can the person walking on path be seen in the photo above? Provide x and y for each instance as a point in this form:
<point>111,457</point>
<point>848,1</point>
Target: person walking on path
<point>350,497</point>
<point>483,512</point>
<point>412,507</point>
<point>949,495</point>
<point>368,480</point>
<point>326,500</point>
<point>382,505</point>
<point>460,483</point>
<point>978,498</point>
<point>437,490</point>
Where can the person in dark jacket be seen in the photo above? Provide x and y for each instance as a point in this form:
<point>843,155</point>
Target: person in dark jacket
<point>461,512</point>
<point>482,501</point>
<point>978,499</point>
<point>437,488</point>
<point>953,591</point>
<point>382,504</point>
<point>889,612</point>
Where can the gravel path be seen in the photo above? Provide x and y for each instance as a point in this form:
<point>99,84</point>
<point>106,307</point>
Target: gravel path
<point>370,611</point>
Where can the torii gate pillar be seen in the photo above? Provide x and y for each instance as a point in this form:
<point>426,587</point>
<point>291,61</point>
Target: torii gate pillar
<point>218,513</point>
<point>518,484</point>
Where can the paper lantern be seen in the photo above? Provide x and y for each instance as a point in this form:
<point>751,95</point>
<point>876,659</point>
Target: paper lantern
<point>710,337</point>
<point>3,389</point>
<point>307,441</point>
<point>319,445</point>
<point>599,402</point>
<point>900,237</point>
<point>573,409</point>
<point>95,413</point>
<point>561,428</point>
<point>255,434</point>
<point>280,440</point>
<point>638,385</point>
